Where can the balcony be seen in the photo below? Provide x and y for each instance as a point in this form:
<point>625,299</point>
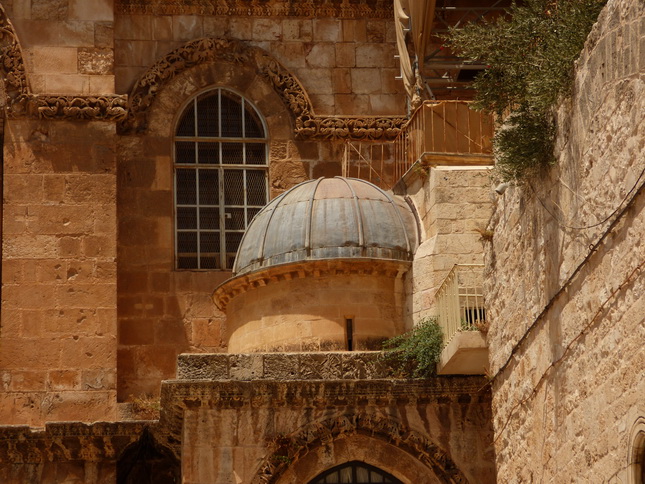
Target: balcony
<point>461,315</point>
<point>444,133</point>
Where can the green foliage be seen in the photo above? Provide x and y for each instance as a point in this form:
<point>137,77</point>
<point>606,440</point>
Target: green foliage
<point>530,54</point>
<point>418,350</point>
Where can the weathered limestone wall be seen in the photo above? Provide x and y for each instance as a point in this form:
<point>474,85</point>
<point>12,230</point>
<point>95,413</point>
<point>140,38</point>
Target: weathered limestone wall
<point>58,335</point>
<point>345,63</point>
<point>345,59</point>
<point>65,452</point>
<point>68,45</point>
<point>454,206</point>
<point>566,285</point>
<point>304,307</point>
<point>280,429</point>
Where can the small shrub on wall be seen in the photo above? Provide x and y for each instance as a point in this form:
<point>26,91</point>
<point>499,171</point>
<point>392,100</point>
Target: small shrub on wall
<point>416,352</point>
<point>530,53</point>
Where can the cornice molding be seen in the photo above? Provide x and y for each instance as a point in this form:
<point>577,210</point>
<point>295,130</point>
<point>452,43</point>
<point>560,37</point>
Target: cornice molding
<point>307,124</point>
<point>231,288</point>
<point>359,9</point>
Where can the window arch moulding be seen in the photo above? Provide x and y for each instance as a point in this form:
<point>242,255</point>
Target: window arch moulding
<point>310,439</point>
<point>636,464</point>
<point>307,125</point>
<point>21,102</point>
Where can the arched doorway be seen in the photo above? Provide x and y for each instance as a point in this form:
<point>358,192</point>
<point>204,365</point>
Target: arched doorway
<point>355,472</point>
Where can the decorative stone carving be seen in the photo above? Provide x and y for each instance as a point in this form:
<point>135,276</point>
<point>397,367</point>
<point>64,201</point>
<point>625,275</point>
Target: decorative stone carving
<point>12,66</point>
<point>81,107</point>
<point>287,449</point>
<point>307,124</point>
<point>21,101</point>
<point>264,8</point>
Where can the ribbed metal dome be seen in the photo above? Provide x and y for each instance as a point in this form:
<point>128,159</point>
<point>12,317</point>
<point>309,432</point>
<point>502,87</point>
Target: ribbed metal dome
<point>328,218</point>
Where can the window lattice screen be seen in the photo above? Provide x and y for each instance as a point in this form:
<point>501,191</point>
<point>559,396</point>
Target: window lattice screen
<point>220,178</point>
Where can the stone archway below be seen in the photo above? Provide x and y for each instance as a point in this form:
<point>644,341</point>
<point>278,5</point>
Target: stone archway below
<point>364,448</point>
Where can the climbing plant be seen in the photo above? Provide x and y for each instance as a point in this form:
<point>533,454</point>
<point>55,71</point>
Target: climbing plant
<point>530,55</point>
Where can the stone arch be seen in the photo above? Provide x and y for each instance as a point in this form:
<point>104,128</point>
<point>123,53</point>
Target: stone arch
<point>12,67</point>
<point>636,452</point>
<point>283,83</point>
<point>377,440</point>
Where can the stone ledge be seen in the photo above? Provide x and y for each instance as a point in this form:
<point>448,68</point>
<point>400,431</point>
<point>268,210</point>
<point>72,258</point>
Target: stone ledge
<point>342,365</point>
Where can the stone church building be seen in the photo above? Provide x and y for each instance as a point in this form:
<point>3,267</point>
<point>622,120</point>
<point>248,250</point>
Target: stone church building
<point>214,212</point>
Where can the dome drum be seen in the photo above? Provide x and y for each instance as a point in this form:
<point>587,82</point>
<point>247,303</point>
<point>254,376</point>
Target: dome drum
<point>321,268</point>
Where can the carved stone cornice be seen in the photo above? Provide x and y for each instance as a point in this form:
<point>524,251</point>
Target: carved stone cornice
<point>290,448</point>
<point>359,9</point>
<point>210,50</point>
<point>67,441</point>
<point>107,108</point>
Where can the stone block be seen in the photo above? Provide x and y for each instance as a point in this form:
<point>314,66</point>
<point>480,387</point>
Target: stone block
<point>320,366</point>
<point>354,30</point>
<point>53,60</point>
<point>27,381</point>
<point>241,28</point>
<point>345,55</point>
<point>246,367</point>
<point>352,103</point>
<point>96,10</point>
<point>133,27</point>
<point>342,81</point>
<point>366,80</point>
<point>170,331</point>
<point>63,380</point>
<point>291,54</point>
<point>187,27</point>
<point>375,30</point>
<point>95,61</point>
<point>267,29</point>
<point>280,367</point>
<point>320,55</point>
<point>50,10</point>
<point>104,35</point>
<point>297,29</point>
<point>136,332</point>
<point>327,30</point>
<point>316,81</point>
<point>375,55</point>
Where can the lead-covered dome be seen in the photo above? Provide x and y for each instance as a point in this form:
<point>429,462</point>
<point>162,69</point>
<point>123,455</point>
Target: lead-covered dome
<point>328,218</point>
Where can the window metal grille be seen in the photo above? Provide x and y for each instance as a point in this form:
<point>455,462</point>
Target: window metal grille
<point>220,178</point>
<point>355,473</point>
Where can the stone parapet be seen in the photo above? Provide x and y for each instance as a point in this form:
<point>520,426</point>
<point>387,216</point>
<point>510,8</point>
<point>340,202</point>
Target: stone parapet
<point>332,365</point>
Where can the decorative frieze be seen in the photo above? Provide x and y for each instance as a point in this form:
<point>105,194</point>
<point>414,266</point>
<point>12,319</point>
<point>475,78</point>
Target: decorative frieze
<point>80,107</point>
<point>210,50</point>
<point>359,9</point>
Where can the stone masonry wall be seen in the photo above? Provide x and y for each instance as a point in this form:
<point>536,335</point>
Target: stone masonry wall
<point>454,206</point>
<point>68,45</point>
<point>58,334</point>
<point>346,66</point>
<point>565,277</point>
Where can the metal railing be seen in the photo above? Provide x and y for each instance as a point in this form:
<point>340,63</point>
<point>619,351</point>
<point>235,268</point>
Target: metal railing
<point>460,303</point>
<point>440,128</point>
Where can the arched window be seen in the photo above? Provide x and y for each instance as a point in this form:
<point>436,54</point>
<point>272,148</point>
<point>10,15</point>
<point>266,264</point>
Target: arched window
<point>355,472</point>
<point>220,178</point>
